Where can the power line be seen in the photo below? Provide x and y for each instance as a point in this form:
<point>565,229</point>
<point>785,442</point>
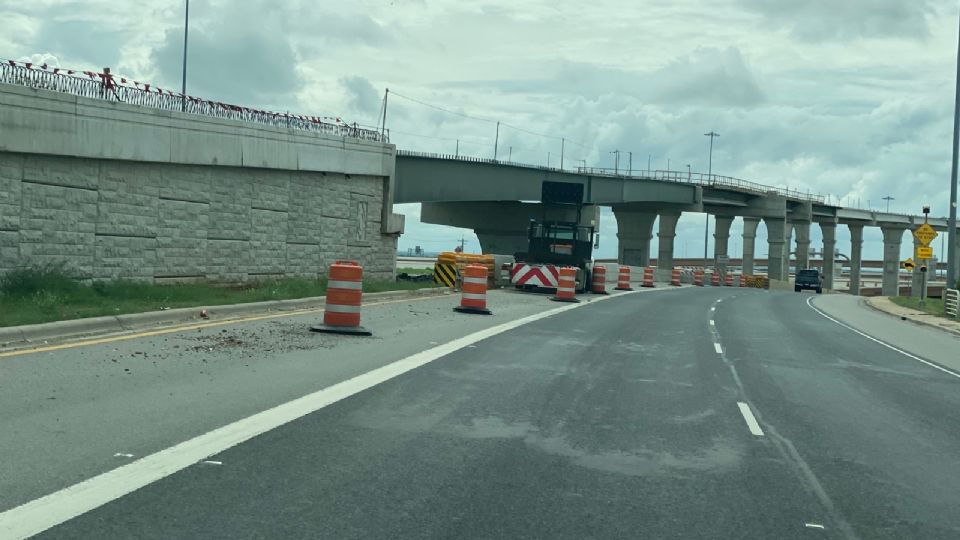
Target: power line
<point>432,106</point>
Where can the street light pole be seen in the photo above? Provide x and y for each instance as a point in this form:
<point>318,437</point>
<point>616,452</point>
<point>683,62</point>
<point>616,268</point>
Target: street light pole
<point>183,80</point>
<point>952,255</point>
<point>616,162</point>
<point>888,199</point>
<point>706,223</point>
<point>630,166</point>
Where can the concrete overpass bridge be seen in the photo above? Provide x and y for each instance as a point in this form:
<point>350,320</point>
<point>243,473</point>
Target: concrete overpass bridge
<point>496,199</point>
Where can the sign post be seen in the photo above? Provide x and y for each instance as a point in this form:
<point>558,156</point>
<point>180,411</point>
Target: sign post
<point>924,235</point>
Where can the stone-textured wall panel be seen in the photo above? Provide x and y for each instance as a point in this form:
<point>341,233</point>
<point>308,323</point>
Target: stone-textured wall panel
<point>125,257</point>
<point>57,225</point>
<point>108,219</point>
<point>128,199</point>
<point>11,181</point>
<point>61,171</point>
<point>268,245</point>
<point>228,260</point>
<point>181,239</point>
<point>231,198</point>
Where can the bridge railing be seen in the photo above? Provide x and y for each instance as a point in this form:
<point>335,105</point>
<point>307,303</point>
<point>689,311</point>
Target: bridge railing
<point>108,87</point>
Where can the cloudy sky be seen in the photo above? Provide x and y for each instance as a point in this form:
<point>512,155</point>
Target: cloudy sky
<point>851,98</point>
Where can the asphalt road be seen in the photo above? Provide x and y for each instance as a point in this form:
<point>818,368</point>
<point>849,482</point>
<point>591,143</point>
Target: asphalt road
<point>636,417</point>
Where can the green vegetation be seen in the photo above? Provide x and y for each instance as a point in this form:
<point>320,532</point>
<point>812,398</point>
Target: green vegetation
<point>933,306</point>
<point>50,293</point>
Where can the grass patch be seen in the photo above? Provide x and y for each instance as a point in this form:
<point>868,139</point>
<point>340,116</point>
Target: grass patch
<point>49,293</point>
<point>934,306</point>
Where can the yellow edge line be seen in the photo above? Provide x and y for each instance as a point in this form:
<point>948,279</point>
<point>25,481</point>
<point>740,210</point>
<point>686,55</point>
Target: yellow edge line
<point>184,328</point>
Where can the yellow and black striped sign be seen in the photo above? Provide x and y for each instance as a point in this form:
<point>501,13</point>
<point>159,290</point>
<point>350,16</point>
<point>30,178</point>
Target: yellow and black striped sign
<point>445,274</point>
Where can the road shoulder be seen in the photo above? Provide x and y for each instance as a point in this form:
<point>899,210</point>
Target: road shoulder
<point>885,305</point>
<point>929,343</point>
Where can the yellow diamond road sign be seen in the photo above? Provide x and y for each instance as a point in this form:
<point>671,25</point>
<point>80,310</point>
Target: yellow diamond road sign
<point>908,264</point>
<point>925,234</point>
<point>924,252</point>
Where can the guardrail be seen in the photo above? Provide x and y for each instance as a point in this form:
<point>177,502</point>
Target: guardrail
<point>107,86</point>
<point>951,303</point>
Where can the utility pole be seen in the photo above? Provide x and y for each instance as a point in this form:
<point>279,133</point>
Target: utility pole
<point>952,256</point>
<point>510,155</point>
<point>689,174</point>
<point>648,163</point>
<point>630,166</point>
<point>183,80</point>
<point>383,126</point>
<point>563,143</point>
<point>496,142</point>
<point>458,148</point>
<point>706,225</point>
<point>548,160</point>
<point>888,199</point>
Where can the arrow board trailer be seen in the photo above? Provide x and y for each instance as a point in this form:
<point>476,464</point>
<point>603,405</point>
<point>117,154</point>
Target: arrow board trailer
<point>557,239</point>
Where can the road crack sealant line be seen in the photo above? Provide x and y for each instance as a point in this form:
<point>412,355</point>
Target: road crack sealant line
<point>881,342</point>
<point>783,445</point>
<point>41,514</point>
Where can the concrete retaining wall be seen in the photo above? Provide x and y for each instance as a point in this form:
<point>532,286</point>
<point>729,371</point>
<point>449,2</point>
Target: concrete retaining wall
<point>116,191</point>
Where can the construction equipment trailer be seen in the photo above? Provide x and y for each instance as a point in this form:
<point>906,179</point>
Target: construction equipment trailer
<point>554,241</point>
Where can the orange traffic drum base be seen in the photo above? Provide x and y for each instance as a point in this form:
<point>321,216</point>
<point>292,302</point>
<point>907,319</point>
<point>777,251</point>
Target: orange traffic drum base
<point>345,330</point>
<point>573,300</point>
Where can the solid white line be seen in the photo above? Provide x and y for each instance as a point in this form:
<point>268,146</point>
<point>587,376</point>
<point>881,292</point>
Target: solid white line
<point>751,420</point>
<point>887,345</point>
<point>718,348</point>
<point>50,510</point>
<point>814,525</point>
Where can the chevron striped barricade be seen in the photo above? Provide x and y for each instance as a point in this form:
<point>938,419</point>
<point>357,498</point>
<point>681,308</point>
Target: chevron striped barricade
<point>539,276</point>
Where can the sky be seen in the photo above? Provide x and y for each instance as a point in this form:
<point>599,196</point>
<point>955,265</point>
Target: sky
<point>851,98</point>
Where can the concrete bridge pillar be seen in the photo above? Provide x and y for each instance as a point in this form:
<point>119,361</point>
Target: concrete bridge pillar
<point>892,236</point>
<point>776,236</point>
<point>749,242</point>
<point>666,234</point>
<point>829,231</point>
<point>856,249</point>
<point>803,244</point>
<point>721,241</point>
<point>634,232</point>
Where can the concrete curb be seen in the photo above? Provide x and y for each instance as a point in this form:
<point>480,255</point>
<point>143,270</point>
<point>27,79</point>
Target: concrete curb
<point>912,315</point>
<point>119,323</point>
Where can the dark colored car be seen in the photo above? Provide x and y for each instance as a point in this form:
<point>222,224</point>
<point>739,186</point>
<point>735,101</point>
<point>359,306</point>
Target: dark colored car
<point>808,279</point>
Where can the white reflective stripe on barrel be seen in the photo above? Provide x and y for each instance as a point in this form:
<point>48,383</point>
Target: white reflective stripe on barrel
<point>335,284</point>
<point>338,308</point>
<point>474,280</point>
<point>473,296</point>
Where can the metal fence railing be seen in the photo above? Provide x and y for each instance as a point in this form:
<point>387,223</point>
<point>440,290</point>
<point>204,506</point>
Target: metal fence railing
<point>951,303</point>
<point>106,86</point>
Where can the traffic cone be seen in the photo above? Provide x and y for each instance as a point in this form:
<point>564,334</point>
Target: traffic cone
<point>567,285</point>
<point>341,313</point>
<point>474,296</point>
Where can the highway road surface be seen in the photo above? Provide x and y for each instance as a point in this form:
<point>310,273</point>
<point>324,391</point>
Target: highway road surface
<point>665,413</point>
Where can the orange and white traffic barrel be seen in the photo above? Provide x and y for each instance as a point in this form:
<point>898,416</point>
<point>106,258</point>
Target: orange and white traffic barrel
<point>729,279</point>
<point>648,276</point>
<point>675,277</point>
<point>598,284</point>
<point>474,296</point>
<point>623,279</point>
<point>698,277</point>
<point>341,313</point>
<point>567,285</point>
<point>715,278</point>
